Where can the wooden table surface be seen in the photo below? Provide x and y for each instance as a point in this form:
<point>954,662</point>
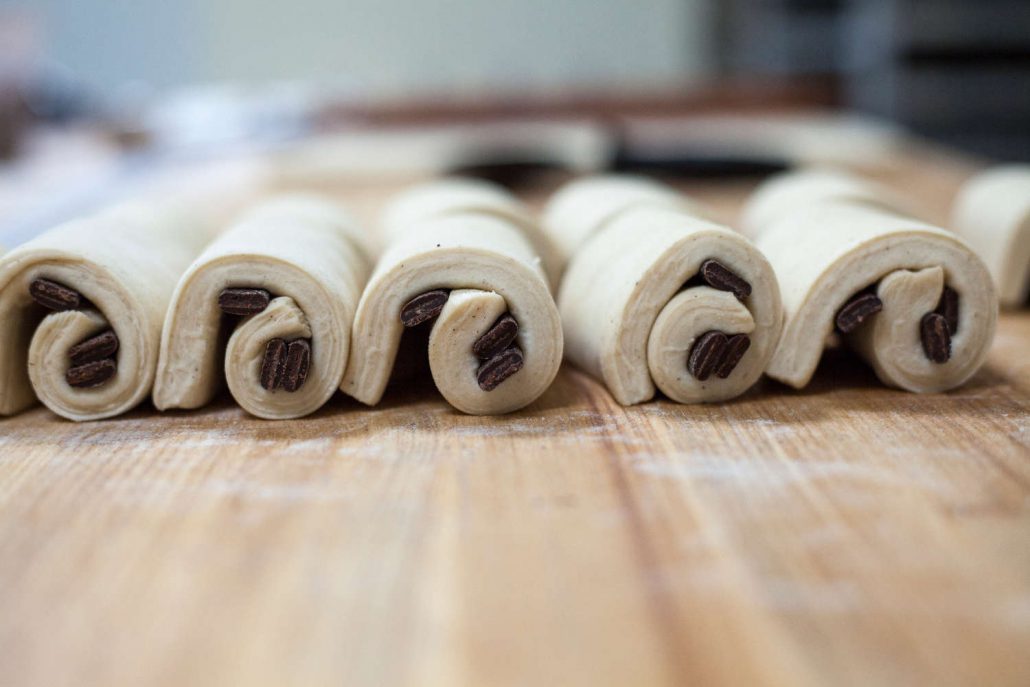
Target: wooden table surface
<point>844,534</point>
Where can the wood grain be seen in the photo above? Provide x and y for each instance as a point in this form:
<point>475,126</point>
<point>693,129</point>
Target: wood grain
<point>845,534</point>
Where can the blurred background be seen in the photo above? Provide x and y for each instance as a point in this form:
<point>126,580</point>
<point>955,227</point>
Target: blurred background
<point>205,76</point>
<point>958,70</point>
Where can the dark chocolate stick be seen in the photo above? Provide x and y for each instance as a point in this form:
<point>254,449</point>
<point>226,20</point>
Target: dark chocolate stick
<point>706,354</point>
<point>103,345</point>
<point>243,301</point>
<point>498,368</point>
<point>718,276</point>
<point>856,310</point>
<point>423,307</point>
<point>91,374</point>
<point>55,296</point>
<point>497,338</point>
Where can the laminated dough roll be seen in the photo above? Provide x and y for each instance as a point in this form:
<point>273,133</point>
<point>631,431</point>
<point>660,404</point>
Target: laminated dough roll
<point>785,193</point>
<point>992,213</point>
<point>912,299</point>
<point>452,195</point>
<point>82,307</point>
<point>288,276</point>
<point>585,206</point>
<point>475,277</point>
<point>656,296</point>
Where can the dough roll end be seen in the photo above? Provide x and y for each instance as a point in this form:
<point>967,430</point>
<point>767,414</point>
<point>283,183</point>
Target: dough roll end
<point>657,297</point>
<point>910,298</point>
<point>992,213</point>
<point>285,281</point>
<point>82,306</point>
<point>470,281</point>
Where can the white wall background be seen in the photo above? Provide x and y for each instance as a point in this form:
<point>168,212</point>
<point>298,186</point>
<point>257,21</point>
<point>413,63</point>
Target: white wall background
<point>382,47</point>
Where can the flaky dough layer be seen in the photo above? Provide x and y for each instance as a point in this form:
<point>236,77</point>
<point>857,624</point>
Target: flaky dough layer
<point>786,193</point>
<point>457,195</point>
<point>992,213</point>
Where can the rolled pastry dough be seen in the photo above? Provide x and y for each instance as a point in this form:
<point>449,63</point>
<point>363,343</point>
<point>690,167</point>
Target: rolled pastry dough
<point>490,266</point>
<point>630,316</point>
<point>828,249</point>
<point>308,254</point>
<point>453,195</point>
<point>992,213</point>
<point>126,261</point>
<point>785,193</point>
<point>583,207</point>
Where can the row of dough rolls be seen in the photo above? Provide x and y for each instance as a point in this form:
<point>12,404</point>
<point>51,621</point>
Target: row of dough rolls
<point>912,299</point>
<point>466,260</point>
<point>286,278</point>
<point>82,307</point>
<point>655,295</point>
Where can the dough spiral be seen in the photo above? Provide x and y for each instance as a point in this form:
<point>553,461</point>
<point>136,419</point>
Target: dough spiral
<point>462,270</point>
<point>301,261</point>
<point>912,299</point>
<point>108,276</point>
<point>656,296</point>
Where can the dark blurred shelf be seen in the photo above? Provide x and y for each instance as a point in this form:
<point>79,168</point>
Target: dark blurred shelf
<point>739,95</point>
<point>955,70</point>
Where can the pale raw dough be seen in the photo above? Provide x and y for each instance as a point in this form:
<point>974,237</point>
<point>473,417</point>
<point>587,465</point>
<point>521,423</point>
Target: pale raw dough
<point>824,253</point>
<point>126,260</point>
<point>491,267</point>
<point>454,195</point>
<point>308,253</point>
<point>627,318</point>
<point>992,213</point>
<point>786,193</point>
<point>584,207</point>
